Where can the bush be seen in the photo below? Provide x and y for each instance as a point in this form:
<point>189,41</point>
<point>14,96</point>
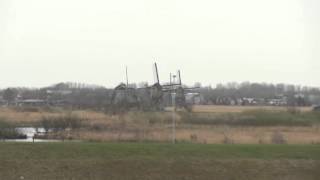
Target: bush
<point>278,138</point>
<point>61,123</point>
<point>11,133</point>
<point>227,140</point>
<point>193,137</point>
<point>8,131</point>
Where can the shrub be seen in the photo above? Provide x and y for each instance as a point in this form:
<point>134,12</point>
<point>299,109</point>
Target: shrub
<point>11,133</point>
<point>227,140</point>
<point>59,123</point>
<point>8,131</point>
<point>278,138</point>
<point>193,137</point>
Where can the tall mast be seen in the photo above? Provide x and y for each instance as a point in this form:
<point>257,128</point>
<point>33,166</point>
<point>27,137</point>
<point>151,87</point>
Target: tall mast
<point>127,76</point>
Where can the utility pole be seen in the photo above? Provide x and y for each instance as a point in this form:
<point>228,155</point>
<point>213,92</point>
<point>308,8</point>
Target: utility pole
<point>127,79</point>
<point>173,112</point>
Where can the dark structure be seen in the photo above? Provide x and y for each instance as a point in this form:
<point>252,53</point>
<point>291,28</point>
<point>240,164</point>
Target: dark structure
<point>316,108</point>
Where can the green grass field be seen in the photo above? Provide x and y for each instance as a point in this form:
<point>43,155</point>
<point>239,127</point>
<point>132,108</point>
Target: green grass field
<point>158,161</point>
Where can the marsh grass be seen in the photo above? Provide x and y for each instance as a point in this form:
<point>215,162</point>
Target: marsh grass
<point>8,130</point>
<point>278,138</point>
<point>252,118</point>
<point>61,123</point>
<point>37,109</point>
<point>247,127</point>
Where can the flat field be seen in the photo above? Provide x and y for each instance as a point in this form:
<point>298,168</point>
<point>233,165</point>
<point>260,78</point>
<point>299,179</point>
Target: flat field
<point>141,161</point>
<point>232,143</point>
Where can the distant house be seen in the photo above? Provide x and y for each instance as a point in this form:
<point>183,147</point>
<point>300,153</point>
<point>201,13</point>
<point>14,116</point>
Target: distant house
<point>279,100</point>
<point>249,101</point>
<point>2,101</point>
<point>316,108</point>
<point>193,98</point>
<point>32,102</point>
<point>61,92</point>
<point>314,99</point>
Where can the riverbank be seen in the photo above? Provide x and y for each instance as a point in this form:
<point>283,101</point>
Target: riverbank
<point>158,161</point>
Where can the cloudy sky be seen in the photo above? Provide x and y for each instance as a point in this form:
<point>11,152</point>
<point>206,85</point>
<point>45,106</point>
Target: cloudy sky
<point>212,41</point>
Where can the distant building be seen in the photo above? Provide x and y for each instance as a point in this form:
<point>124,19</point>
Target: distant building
<point>280,100</point>
<point>2,101</point>
<point>249,101</point>
<point>193,98</point>
<point>316,108</point>
<point>32,102</point>
<point>61,92</point>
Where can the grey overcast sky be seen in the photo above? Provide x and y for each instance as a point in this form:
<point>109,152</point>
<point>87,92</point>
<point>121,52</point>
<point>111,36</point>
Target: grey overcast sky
<point>212,41</point>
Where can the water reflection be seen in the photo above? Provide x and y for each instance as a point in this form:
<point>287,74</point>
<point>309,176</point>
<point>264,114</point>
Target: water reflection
<point>30,132</point>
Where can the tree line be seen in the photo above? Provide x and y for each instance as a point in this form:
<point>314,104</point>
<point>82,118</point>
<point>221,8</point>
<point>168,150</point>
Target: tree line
<point>91,96</point>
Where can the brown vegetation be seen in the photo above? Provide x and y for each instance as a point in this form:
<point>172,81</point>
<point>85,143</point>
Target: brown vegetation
<point>156,126</point>
<point>239,109</point>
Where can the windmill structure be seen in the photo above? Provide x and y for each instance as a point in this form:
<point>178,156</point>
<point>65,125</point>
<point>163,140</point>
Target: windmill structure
<point>151,97</point>
<point>124,97</point>
<point>180,91</point>
<point>174,88</point>
<point>156,91</point>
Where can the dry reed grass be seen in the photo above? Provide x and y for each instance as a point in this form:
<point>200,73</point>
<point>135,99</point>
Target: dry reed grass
<point>205,135</point>
<point>239,109</point>
<point>22,117</point>
<point>137,126</point>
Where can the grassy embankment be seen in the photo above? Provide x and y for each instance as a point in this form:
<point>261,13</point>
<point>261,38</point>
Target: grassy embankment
<point>158,161</point>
